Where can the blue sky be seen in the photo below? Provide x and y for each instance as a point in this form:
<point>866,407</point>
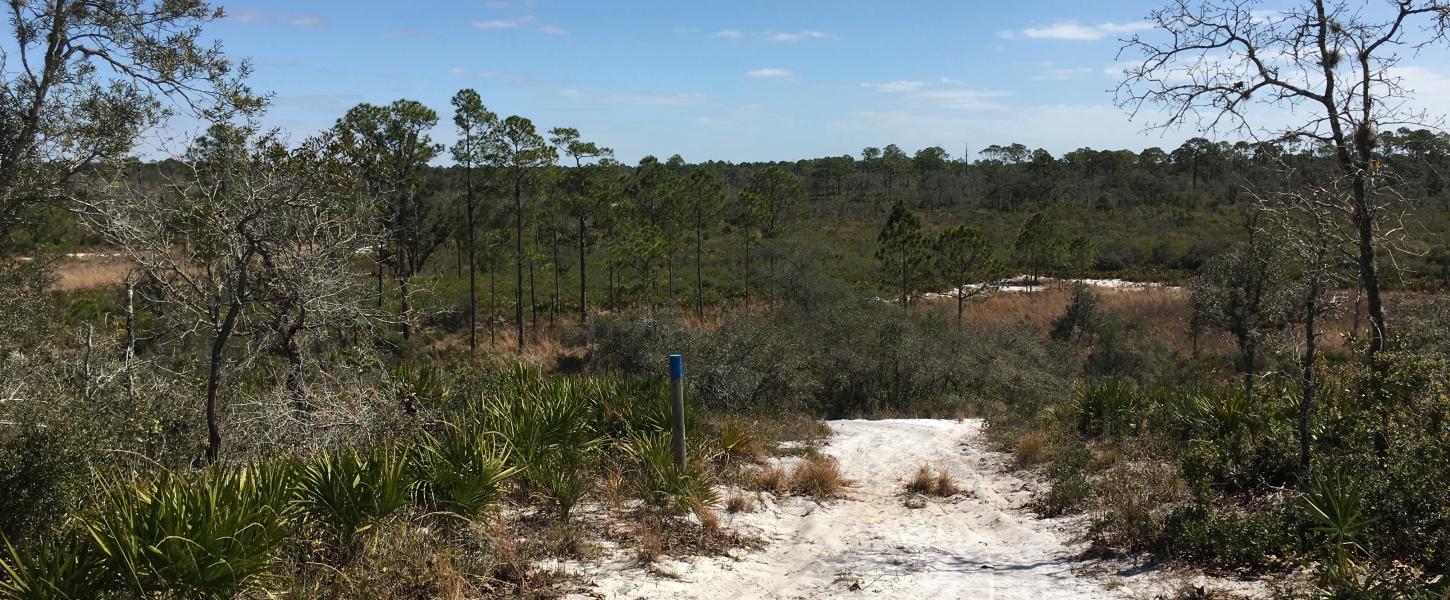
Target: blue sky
<point>743,80</point>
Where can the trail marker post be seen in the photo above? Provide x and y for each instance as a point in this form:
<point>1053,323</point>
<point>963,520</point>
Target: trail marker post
<point>677,408</point>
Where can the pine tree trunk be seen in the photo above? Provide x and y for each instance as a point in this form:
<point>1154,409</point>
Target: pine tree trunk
<point>533,292</point>
<point>699,281</point>
<point>472,264</point>
<point>519,260</point>
<point>583,288</point>
<point>554,310</point>
<point>747,262</point>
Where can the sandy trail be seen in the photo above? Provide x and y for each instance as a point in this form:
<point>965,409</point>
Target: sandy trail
<point>980,544</point>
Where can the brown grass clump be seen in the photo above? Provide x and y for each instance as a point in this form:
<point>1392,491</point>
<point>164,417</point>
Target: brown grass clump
<point>815,475</point>
<point>771,479</point>
<point>612,488</point>
<point>818,477</point>
<point>1031,448</point>
<point>708,520</point>
<point>739,503</point>
<point>932,482</point>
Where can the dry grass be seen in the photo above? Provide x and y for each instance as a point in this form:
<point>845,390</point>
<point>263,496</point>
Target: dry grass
<point>1030,449</point>
<point>771,479</point>
<point>1134,495</point>
<point>708,520</point>
<point>819,478</point>
<point>652,535</point>
<point>1164,312</point>
<point>739,503</point>
<point>815,475</point>
<point>927,481</point>
<point>651,544</point>
<point>612,489</point>
<point>91,272</point>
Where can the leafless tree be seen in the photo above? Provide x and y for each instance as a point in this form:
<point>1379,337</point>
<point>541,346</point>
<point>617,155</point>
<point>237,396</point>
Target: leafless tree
<point>249,237</point>
<point>1325,71</point>
<point>1303,213</point>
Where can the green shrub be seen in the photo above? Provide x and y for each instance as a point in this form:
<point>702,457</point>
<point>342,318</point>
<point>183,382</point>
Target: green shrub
<point>1070,483</point>
<point>866,358</point>
<point>43,470</point>
<point>462,470</point>
<point>1243,539</point>
<point>348,491</point>
<point>66,566</point>
<point>210,536</point>
<point>658,482</point>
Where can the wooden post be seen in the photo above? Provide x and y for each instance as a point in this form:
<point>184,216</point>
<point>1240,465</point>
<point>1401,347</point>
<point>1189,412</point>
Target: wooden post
<point>677,408</point>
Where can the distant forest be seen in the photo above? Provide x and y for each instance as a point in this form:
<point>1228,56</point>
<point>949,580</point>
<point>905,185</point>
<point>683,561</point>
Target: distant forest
<point>1154,214</point>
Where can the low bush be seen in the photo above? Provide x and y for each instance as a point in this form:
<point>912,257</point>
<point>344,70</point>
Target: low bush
<point>660,483</point>
<point>819,478</point>
<point>213,536</point>
<point>867,358</point>
<point>461,470</point>
<point>348,491</point>
<point>927,481</point>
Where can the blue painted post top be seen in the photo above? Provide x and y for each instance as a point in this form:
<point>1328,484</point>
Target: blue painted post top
<point>677,366</point>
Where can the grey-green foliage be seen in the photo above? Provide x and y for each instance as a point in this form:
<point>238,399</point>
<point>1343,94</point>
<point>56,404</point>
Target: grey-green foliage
<point>824,349</point>
<point>1249,292</point>
<point>22,304</point>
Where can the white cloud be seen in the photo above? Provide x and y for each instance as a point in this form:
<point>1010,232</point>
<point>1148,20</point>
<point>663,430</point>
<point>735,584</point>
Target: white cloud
<point>638,99</point>
<point>1427,89</point>
<point>792,37</point>
<point>257,17</point>
<point>944,93</point>
<point>769,73</point>
<point>895,86</point>
<point>513,23</point>
<point>301,20</point>
<point>960,99</point>
<point>518,22</point>
<point>727,34</point>
<point>1074,31</point>
<point>1054,72</point>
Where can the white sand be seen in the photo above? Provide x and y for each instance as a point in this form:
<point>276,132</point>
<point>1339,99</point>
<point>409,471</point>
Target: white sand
<point>1024,284</point>
<point>982,544</point>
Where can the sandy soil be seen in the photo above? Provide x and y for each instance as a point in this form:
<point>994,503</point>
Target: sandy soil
<point>982,543</point>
